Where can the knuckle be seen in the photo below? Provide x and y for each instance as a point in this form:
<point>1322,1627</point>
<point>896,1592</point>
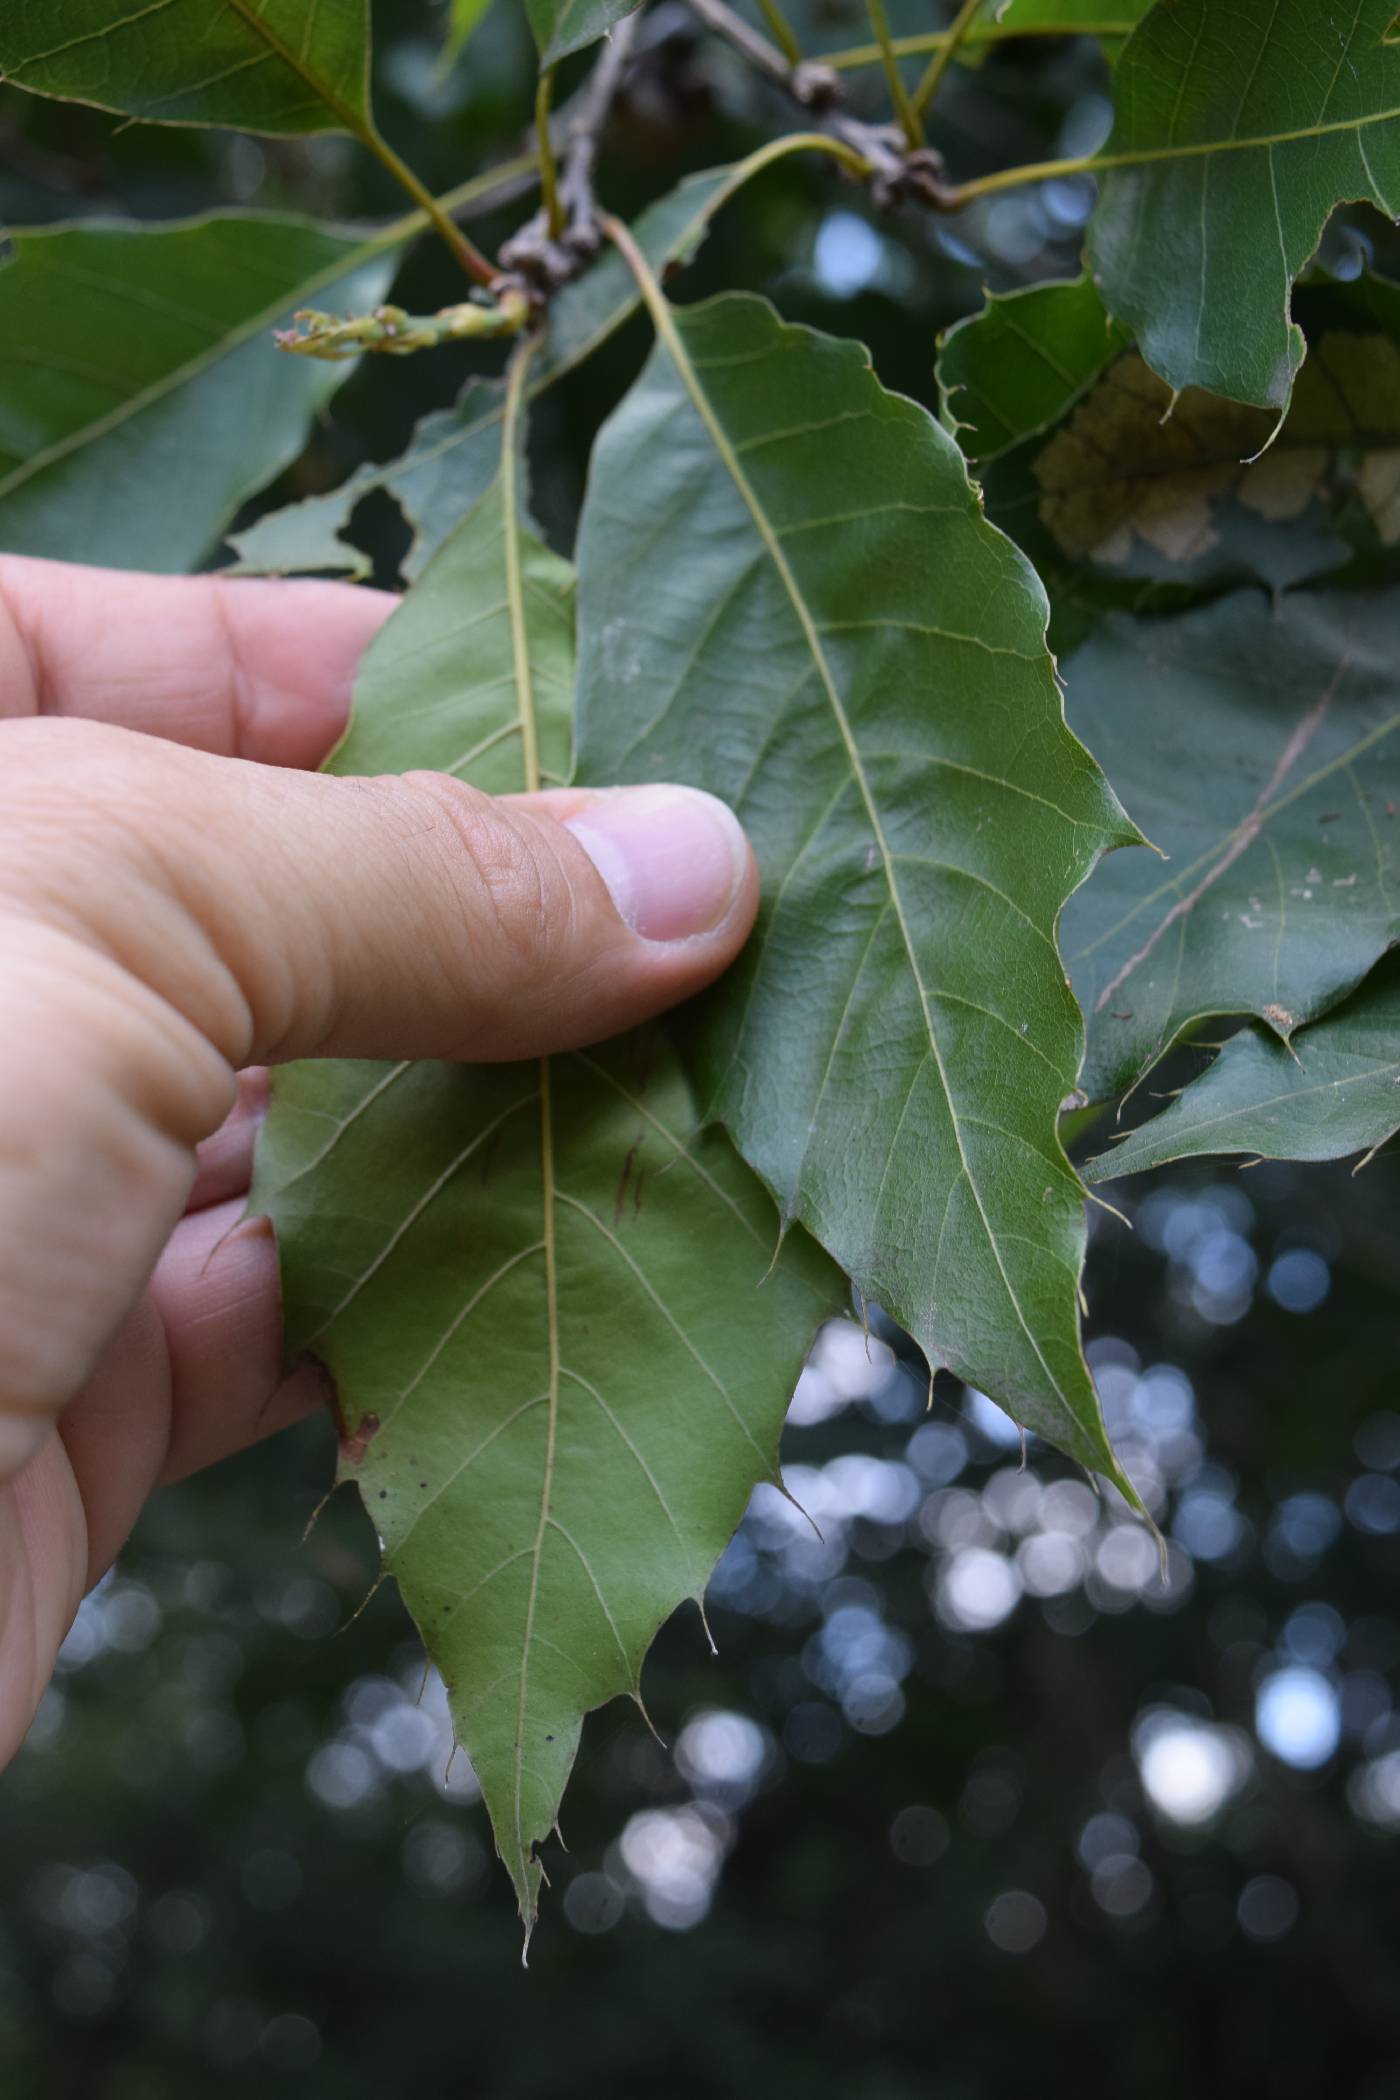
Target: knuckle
<point>515,899</point>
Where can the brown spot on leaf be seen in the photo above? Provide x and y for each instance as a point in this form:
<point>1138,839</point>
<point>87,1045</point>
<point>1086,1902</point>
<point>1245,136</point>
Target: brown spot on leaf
<point>629,1169</point>
<point>1280,1018</point>
<point>355,1442</point>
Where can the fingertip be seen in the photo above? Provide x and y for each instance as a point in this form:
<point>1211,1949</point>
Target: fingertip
<point>675,860</point>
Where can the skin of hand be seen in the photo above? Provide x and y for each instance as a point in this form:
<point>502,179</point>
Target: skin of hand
<point>183,902</point>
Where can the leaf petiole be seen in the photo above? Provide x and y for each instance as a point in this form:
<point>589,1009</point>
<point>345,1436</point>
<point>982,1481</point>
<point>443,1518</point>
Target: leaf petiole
<point>906,110</point>
<point>945,54</point>
<point>784,36</point>
<point>549,172</point>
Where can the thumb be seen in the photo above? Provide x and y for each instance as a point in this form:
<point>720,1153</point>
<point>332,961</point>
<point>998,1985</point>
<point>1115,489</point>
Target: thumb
<point>288,914</point>
<point>167,917</point>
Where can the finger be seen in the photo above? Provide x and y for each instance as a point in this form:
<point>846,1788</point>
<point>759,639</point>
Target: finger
<point>43,1563</point>
<point>286,914</point>
<point>193,1374</point>
<point>218,1291</point>
<point>224,1162</point>
<point>245,667</point>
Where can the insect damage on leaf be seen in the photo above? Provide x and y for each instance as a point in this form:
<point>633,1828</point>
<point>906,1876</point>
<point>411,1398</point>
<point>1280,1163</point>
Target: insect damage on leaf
<point>355,1443</point>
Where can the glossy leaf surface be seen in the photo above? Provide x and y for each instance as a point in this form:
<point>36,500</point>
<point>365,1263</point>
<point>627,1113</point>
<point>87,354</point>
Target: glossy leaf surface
<point>1245,125</point>
<point>1111,21</point>
<point>143,397</point>
<point>562,26</point>
<point>788,596</point>
<point>1016,368</point>
<point>256,65</point>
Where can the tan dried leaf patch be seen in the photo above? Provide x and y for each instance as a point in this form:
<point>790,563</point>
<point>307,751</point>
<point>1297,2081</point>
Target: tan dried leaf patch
<point>1132,464</point>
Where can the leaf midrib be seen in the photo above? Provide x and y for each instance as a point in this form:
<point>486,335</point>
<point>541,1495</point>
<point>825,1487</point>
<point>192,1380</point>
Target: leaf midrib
<point>669,334</point>
<point>360,126</point>
<point>530,765</point>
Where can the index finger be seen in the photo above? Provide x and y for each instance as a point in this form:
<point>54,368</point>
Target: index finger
<point>244,667</point>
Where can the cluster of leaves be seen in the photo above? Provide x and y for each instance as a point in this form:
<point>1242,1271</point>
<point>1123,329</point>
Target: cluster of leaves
<point>537,1288</point>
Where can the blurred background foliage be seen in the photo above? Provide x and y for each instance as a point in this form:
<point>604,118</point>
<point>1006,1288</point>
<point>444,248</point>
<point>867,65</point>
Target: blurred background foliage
<point>969,1802</point>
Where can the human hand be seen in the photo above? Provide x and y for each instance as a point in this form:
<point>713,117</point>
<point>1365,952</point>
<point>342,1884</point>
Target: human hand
<point>180,904</point>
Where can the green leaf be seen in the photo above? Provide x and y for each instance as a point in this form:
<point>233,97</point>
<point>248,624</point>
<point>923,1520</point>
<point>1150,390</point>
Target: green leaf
<point>143,398</point>
<point>1063,17</point>
<point>1333,1091</point>
<point>464,17</point>
<point>1258,748</point>
<point>1016,368</point>
<point>1111,21</point>
<point>788,596</point>
<point>272,66</point>
<point>996,22</point>
<point>669,232</point>
<point>558,1377</point>
<point>1240,128</point>
<point>1187,491</point>
<point>451,459</point>
<point>536,1286</point>
<point>562,26</point>
<point>437,686</point>
<point>453,452</point>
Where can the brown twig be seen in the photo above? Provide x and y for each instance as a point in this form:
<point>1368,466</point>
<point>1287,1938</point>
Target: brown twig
<point>548,252</point>
<point>811,84</point>
<point>894,170</point>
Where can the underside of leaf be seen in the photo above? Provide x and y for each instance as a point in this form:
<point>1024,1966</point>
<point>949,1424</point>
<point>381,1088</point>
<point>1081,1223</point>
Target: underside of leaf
<point>112,376</point>
<point>537,1286</point>
<point>453,452</point>
<point>558,1376</point>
